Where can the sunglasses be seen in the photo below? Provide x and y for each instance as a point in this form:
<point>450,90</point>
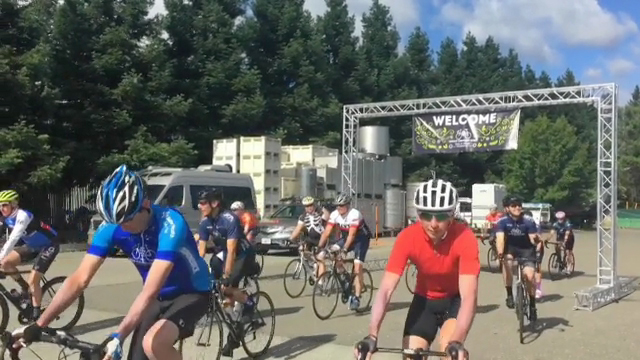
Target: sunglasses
<point>439,216</point>
<point>203,202</point>
<point>515,205</point>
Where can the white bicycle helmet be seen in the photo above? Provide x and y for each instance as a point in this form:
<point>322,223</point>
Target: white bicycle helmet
<point>308,200</point>
<point>237,205</point>
<point>436,195</point>
<point>343,199</point>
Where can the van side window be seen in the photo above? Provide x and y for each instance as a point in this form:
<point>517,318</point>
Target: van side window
<point>230,194</point>
<point>174,196</point>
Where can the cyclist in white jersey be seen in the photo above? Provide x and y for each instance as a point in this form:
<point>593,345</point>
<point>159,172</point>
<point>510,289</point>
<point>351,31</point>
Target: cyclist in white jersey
<point>355,236</point>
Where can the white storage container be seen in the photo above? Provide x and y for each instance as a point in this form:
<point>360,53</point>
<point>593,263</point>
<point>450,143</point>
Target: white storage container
<point>227,152</point>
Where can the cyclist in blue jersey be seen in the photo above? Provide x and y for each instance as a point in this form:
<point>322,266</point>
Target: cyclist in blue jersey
<point>38,241</point>
<point>234,257</point>
<point>157,239</point>
<point>562,230</point>
<point>516,237</point>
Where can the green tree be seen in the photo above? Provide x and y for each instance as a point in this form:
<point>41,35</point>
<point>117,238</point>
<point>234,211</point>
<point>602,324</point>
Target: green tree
<point>629,153</point>
<point>549,164</point>
<point>449,78</point>
<point>635,96</point>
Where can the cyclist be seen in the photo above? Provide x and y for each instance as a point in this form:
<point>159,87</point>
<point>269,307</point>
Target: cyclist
<point>539,255</point>
<point>562,231</point>
<point>516,237</point>
<point>39,242</point>
<point>176,286</point>
<point>248,220</point>
<point>355,236</point>
<point>312,222</point>
<point>492,218</point>
<point>445,253</point>
<point>234,257</point>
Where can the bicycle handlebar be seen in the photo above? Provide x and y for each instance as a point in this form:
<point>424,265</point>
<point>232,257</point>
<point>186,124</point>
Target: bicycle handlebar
<point>57,337</point>
<point>546,242</point>
<point>363,349</point>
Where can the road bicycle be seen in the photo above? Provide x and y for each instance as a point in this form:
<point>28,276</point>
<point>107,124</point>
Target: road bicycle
<point>300,271</point>
<point>21,300</point>
<point>339,283</point>
<point>411,354</point>
<point>522,299</point>
<point>492,253</point>
<point>560,262</point>
<point>411,277</point>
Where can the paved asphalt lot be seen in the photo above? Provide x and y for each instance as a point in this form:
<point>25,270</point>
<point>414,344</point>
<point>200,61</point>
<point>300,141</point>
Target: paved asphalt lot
<point>609,333</point>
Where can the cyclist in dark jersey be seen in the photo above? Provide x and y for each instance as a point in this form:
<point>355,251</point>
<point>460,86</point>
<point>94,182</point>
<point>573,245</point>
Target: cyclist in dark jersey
<point>176,283</point>
<point>38,241</point>
<point>311,221</point>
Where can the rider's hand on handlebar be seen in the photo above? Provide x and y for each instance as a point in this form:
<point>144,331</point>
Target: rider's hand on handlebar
<point>456,351</point>
<point>25,335</point>
<point>113,349</point>
<point>365,348</point>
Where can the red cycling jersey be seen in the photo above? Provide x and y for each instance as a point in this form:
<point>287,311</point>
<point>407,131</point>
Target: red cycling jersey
<point>494,219</point>
<point>438,266</point>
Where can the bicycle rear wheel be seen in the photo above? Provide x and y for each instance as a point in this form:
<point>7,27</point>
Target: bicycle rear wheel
<point>520,306</point>
<point>264,317</point>
<point>4,314</point>
<point>201,343</point>
<point>554,267</point>
<point>326,288</point>
<point>69,318</point>
<point>295,275</point>
<point>366,293</point>
<point>260,261</point>
<point>410,277</point>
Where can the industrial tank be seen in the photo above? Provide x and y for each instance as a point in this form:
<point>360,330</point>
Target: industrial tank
<point>395,208</point>
<point>373,140</point>
<point>308,181</point>
<point>410,195</point>
<point>393,170</point>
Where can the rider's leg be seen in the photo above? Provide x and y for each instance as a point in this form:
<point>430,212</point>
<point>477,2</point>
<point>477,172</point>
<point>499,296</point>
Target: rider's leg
<point>507,276</point>
<point>13,259</point>
<point>420,326</point>
<point>449,325</point>
<point>538,275</point>
<point>42,263</point>
<point>360,253</point>
<point>177,321</point>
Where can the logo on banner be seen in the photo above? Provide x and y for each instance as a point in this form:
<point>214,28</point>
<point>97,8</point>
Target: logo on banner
<point>453,133</point>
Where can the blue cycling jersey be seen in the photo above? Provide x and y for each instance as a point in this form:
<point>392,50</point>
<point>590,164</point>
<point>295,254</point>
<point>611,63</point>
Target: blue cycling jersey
<point>167,238</point>
<point>221,228</point>
<point>561,229</point>
<point>517,231</point>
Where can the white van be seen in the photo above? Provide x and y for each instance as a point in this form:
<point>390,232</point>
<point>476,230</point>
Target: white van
<point>179,188</point>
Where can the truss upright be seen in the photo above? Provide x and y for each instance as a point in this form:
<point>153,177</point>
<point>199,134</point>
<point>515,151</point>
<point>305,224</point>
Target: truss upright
<point>604,97</point>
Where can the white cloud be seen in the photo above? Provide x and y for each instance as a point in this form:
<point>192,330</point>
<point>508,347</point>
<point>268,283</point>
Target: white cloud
<point>620,67</point>
<point>635,48</point>
<point>406,13</point>
<point>535,27</point>
<point>593,73</point>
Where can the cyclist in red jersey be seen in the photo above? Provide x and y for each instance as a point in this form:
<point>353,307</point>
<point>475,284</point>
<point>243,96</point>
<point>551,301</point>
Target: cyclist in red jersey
<point>445,252</point>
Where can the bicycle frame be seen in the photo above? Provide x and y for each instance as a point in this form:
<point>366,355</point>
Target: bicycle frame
<point>16,302</point>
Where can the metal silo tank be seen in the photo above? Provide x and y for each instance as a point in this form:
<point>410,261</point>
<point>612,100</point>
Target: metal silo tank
<point>395,208</point>
<point>373,140</point>
<point>308,181</point>
<point>411,192</point>
<point>393,170</point>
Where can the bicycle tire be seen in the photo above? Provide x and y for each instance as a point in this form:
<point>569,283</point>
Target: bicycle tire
<point>571,269</point>
<point>212,317</point>
<point>492,256</point>
<point>520,311</point>
<point>367,279</point>
<point>260,298</point>
<point>4,313</point>
<point>79,310</point>
<point>411,273</point>
<point>302,273</point>
<point>327,279</point>
<point>554,273</point>
<point>260,260</point>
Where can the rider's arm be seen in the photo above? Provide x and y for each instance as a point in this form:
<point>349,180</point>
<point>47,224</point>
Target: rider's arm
<point>101,244</point>
<point>568,232</point>
<point>19,229</point>
<point>500,239</point>
<point>203,236</point>
<point>171,239</point>
<point>234,233</point>
<point>469,270</point>
<point>395,267</point>
<point>532,231</point>
<point>325,235</point>
<point>296,231</point>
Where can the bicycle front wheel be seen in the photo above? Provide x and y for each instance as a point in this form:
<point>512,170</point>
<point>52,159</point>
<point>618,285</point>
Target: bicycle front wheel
<point>492,258</point>
<point>554,267</point>
<point>4,314</point>
<point>410,277</point>
<point>69,318</point>
<point>570,264</point>
<point>263,318</point>
<point>327,289</point>
<point>260,260</point>
<point>295,278</point>
<point>366,293</point>
<point>520,305</point>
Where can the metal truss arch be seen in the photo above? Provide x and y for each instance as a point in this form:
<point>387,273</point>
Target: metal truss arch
<point>609,287</point>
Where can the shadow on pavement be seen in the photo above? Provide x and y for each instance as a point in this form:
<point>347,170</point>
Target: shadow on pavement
<point>545,324</point>
<point>299,346</point>
<point>96,325</point>
<point>483,309</point>
<point>487,269</point>
<point>550,298</point>
<point>287,310</point>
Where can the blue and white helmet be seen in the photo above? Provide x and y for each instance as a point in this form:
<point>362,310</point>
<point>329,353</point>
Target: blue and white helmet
<point>120,196</point>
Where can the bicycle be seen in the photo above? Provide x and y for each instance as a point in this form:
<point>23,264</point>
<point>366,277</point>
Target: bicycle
<point>522,299</point>
<point>304,267</point>
<point>492,253</point>
<point>88,351</point>
<point>342,282</point>
<point>411,277</point>
<point>560,261</point>
<point>412,354</point>
<point>22,301</point>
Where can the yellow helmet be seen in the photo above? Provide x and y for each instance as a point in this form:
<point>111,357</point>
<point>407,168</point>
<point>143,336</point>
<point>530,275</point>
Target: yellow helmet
<point>8,196</point>
<point>308,200</point>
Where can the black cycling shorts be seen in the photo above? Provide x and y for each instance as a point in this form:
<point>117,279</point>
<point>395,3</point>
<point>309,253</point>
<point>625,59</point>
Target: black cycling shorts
<point>527,254</point>
<point>569,243</point>
<point>184,311</point>
<point>44,257</point>
<point>426,316</point>
<point>244,265</point>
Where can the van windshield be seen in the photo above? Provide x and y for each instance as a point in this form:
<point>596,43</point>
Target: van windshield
<point>153,191</point>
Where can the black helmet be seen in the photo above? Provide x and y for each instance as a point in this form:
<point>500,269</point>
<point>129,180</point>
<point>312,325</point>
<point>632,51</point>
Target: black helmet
<point>512,200</point>
<point>210,194</point>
